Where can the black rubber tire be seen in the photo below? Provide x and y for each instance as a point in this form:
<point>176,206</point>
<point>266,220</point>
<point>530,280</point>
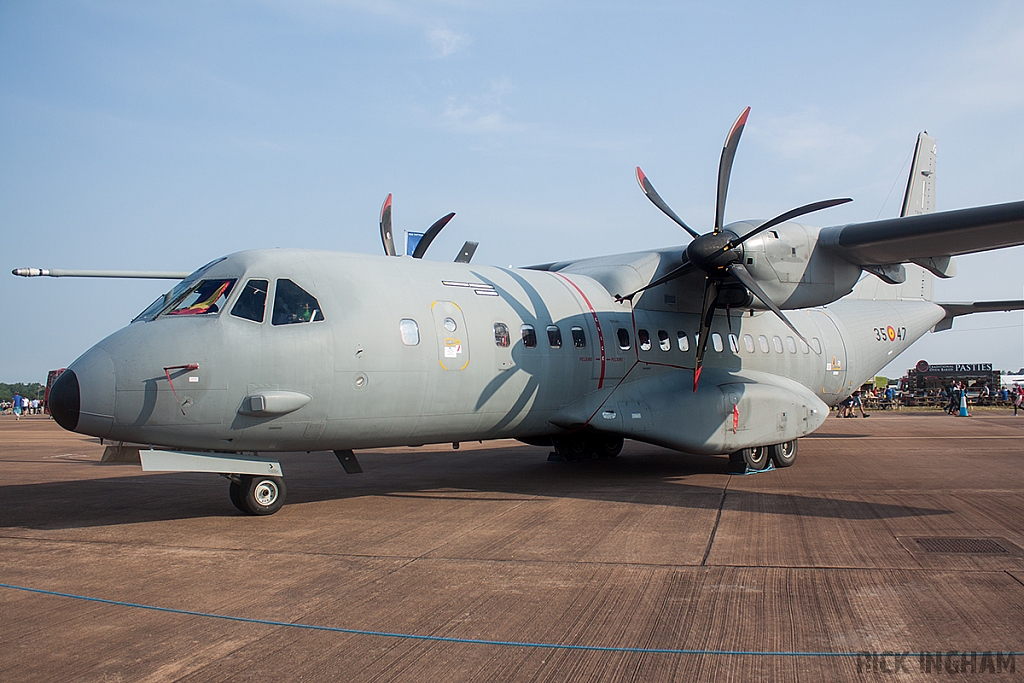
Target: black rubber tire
<point>756,458</point>
<point>608,445</point>
<point>784,454</point>
<point>235,493</point>
<point>573,448</point>
<point>262,495</point>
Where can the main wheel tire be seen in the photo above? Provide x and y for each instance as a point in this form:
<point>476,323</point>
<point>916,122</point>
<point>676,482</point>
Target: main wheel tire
<point>261,495</point>
<point>235,493</point>
<point>608,446</point>
<point>756,458</point>
<point>784,454</point>
<point>573,448</point>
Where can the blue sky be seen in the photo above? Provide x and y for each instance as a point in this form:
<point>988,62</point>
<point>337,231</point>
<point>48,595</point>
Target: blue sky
<point>159,136</point>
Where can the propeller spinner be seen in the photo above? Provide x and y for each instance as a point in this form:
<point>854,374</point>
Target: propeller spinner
<point>719,253</point>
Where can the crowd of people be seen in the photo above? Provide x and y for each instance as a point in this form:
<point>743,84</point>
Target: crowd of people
<point>21,405</point>
<point>948,397</point>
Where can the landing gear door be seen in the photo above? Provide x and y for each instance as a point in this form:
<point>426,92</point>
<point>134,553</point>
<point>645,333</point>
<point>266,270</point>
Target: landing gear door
<point>452,336</point>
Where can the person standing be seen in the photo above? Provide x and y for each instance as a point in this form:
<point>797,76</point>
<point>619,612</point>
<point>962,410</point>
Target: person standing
<point>16,407</point>
<point>1018,399</point>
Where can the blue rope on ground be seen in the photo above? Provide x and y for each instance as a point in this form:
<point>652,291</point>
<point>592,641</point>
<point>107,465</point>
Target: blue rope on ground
<point>467,641</point>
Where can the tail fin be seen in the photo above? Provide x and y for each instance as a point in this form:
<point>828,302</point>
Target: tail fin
<point>920,195</point>
<point>918,199</point>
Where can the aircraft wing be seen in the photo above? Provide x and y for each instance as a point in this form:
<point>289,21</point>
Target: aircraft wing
<point>916,238</point>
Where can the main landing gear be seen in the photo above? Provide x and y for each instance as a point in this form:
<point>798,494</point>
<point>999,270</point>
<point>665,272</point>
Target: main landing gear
<point>756,459</point>
<point>257,495</point>
<point>583,446</point>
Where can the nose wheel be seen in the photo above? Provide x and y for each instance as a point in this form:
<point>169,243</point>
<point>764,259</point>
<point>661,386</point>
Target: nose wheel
<point>257,495</point>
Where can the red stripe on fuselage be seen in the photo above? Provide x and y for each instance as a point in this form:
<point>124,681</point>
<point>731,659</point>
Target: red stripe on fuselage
<point>597,323</point>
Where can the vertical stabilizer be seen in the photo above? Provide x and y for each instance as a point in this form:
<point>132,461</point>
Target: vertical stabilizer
<point>920,195</point>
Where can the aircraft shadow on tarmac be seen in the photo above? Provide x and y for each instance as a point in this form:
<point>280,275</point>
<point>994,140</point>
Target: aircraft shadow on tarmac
<point>657,478</point>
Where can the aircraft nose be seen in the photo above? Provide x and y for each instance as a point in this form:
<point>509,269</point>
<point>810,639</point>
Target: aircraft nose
<point>65,400</point>
<point>82,398</point>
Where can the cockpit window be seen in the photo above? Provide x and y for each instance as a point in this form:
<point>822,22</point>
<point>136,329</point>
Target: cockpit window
<point>293,304</point>
<point>205,298</point>
<point>178,290</point>
<point>252,301</point>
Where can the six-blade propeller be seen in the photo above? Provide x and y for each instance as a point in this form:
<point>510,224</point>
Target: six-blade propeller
<point>719,253</point>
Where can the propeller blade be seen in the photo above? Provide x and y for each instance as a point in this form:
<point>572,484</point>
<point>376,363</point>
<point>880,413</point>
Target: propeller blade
<point>789,215</point>
<point>732,141</point>
<point>656,199</point>
<point>386,236</point>
<point>668,277</point>
<point>740,272</point>
<point>466,255</point>
<point>430,234</point>
<point>706,317</point>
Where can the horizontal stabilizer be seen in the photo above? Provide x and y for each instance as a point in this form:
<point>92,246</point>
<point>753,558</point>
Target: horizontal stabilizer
<point>954,310</point>
<point>918,238</point>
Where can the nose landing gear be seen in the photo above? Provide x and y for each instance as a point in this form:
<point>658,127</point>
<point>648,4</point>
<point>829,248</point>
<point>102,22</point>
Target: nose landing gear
<point>257,495</point>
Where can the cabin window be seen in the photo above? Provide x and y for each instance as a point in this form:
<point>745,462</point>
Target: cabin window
<point>748,343</point>
<point>554,337</point>
<point>623,335</point>
<point>410,332</point>
<point>762,341</point>
<point>734,343</point>
<point>501,335</point>
<point>791,344</point>
<point>293,304</point>
<point>716,341</point>
<point>663,341</point>
<point>683,341</point>
<point>450,325</point>
<point>529,336</point>
<point>579,338</point>
<point>205,298</point>
<point>643,340</point>
<point>803,346</point>
<point>252,302</point>
<point>816,345</point>
<point>777,343</point>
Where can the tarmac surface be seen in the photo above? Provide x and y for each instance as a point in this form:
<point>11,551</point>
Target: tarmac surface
<point>489,563</point>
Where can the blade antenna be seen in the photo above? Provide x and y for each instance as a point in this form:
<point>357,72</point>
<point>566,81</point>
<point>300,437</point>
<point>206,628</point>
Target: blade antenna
<point>430,234</point>
<point>656,199</point>
<point>732,141</point>
<point>386,235</point>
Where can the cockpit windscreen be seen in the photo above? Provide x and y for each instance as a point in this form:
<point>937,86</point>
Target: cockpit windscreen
<point>206,298</point>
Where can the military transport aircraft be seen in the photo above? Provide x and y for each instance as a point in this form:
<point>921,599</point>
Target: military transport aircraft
<point>687,347</point>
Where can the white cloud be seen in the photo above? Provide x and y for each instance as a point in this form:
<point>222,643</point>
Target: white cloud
<point>445,41</point>
<point>483,113</point>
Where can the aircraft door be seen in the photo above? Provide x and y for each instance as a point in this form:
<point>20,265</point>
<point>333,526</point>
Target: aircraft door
<point>452,335</point>
<point>833,357</point>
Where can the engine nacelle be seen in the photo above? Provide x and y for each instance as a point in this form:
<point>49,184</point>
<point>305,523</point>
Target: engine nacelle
<point>792,269</point>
